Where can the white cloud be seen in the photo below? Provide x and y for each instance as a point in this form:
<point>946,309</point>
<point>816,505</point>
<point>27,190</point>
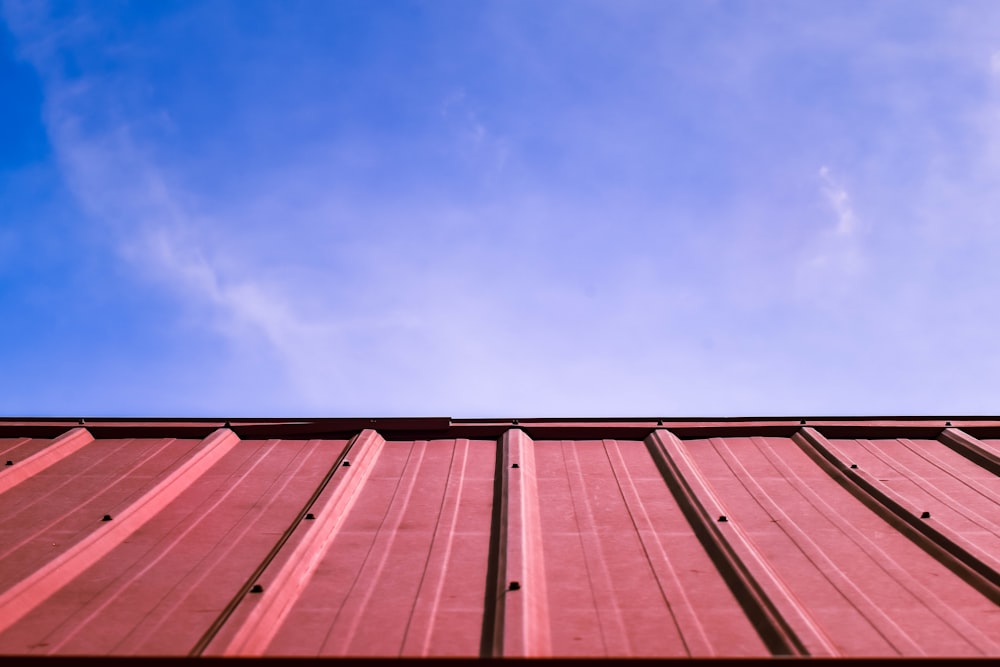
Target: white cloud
<point>584,293</point>
<point>467,325</point>
<point>475,141</point>
<point>840,201</point>
<point>833,260</point>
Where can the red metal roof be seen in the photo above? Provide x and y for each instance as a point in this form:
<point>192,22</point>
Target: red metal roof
<point>848,537</point>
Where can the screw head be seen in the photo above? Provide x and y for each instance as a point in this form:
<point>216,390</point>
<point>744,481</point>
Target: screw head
<point>257,588</point>
<point>514,465</point>
<point>854,465</point>
<point>107,517</point>
<point>9,463</point>
<point>723,518</point>
<point>310,516</point>
<point>925,515</point>
<point>347,464</point>
<point>514,586</point>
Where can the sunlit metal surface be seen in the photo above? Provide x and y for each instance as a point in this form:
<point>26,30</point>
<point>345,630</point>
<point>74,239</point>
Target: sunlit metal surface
<point>742,538</point>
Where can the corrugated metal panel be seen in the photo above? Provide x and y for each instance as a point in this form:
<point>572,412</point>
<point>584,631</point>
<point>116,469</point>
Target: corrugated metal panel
<point>476,538</point>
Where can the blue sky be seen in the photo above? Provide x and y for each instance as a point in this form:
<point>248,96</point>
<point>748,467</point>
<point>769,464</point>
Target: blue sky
<point>499,209</point>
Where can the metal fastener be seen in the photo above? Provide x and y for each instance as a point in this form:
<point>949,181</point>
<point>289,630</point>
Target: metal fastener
<point>723,518</point>
<point>310,516</point>
<point>347,464</point>
<point>514,465</point>
<point>9,463</point>
<point>257,588</point>
<point>925,515</point>
<point>854,465</point>
<point>514,586</point>
<point>107,517</point>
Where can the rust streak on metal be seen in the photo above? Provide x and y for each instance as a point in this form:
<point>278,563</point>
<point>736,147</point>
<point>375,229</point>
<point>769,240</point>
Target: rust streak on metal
<point>287,585</point>
<point>956,558</point>
<point>526,630</point>
<point>29,593</point>
<point>779,617</point>
<point>59,449</point>
<point>971,448</point>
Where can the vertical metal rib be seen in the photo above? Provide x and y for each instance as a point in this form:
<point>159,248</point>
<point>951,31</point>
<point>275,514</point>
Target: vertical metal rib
<point>974,571</point>
<point>224,616</point>
<point>31,592</point>
<point>58,449</point>
<point>767,603</point>
<point>521,624</point>
<point>491,644</point>
<point>971,448</point>
<point>265,619</point>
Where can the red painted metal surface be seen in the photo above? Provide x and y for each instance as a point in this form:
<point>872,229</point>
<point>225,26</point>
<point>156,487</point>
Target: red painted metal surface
<point>736,538</point>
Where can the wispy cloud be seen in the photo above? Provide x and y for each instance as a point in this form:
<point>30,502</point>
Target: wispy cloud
<point>840,202</point>
<point>574,230</point>
<point>833,260</point>
<point>483,147</point>
<point>401,328</point>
